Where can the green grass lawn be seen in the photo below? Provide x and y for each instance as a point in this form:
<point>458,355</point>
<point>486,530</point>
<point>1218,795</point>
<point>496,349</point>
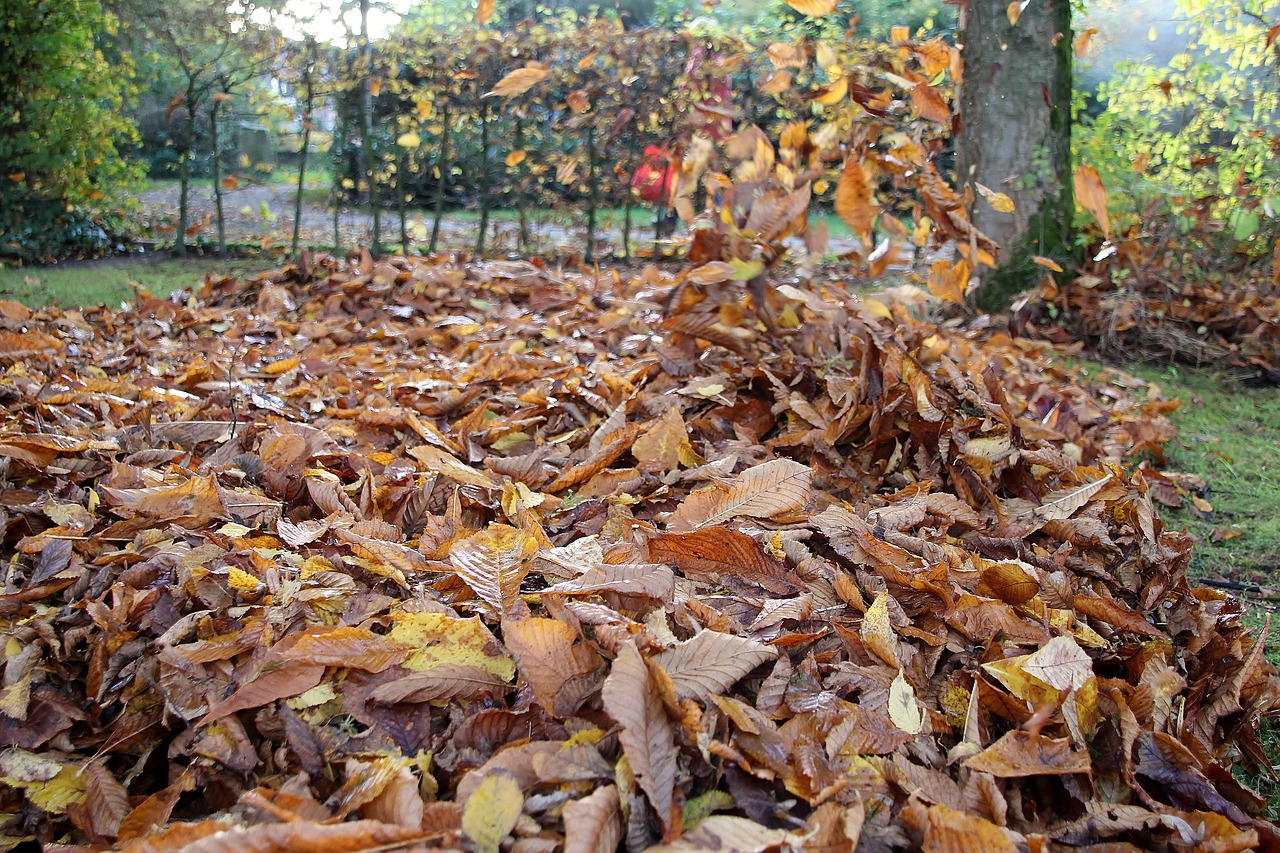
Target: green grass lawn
<point>107,281</point>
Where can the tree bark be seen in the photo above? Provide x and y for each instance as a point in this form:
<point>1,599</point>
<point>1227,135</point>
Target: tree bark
<point>442,166</point>
<point>366,128</point>
<point>216,171</point>
<point>1015,137</point>
<point>308,83</point>
<point>484,176</point>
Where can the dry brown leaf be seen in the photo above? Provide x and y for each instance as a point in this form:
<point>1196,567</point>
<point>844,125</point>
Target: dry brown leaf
<point>711,662</point>
<point>773,489</point>
<point>493,562</point>
<point>593,824</point>
<point>554,659</point>
<point>631,696</point>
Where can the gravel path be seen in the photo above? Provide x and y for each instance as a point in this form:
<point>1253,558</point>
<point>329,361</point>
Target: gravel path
<point>263,213</point>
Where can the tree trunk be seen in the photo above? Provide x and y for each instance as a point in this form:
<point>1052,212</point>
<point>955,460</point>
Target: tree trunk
<point>442,166</point>
<point>366,128</point>
<point>216,171</point>
<point>309,85</point>
<point>1015,113</point>
<point>184,178</point>
<point>523,214</point>
<point>484,175</point>
<point>592,200</point>
<point>401,165</point>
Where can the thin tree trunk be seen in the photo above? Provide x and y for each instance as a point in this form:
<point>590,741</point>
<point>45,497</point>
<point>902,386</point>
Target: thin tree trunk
<point>216,170</point>
<point>306,145</point>
<point>520,196</point>
<point>443,166</point>
<point>590,255</point>
<point>184,178</point>
<point>366,128</point>
<point>401,164</point>
<point>484,176</point>
<point>632,150</point>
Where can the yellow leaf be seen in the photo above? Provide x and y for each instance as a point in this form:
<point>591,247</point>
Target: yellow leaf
<point>904,710</point>
<point>1014,11</point>
<point>833,93</point>
<point>443,640</point>
<point>241,581</point>
<point>745,270</point>
<point>1047,263</point>
<point>284,365</point>
<point>408,140</point>
<point>492,811</point>
<point>515,158</point>
<point>999,201</point>
<point>813,8</point>
<point>877,631</point>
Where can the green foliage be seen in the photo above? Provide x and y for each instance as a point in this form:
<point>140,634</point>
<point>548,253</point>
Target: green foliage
<point>1196,139</point>
<point>60,127</point>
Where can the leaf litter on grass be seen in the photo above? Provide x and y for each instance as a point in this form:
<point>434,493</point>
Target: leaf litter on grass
<point>427,555</point>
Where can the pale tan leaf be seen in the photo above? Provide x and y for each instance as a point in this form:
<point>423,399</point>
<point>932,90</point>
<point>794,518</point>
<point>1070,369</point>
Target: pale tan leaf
<point>711,662</point>
<point>519,81</point>
<point>631,697</point>
<point>106,800</point>
<point>724,833</point>
<point>493,562</point>
<point>1059,505</point>
<point>904,710</point>
<point>768,490</point>
<point>593,824</point>
<point>1061,664</point>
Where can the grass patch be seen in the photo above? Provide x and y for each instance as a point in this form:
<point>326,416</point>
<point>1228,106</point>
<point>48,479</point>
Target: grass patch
<point>107,281</point>
<point>1229,434</point>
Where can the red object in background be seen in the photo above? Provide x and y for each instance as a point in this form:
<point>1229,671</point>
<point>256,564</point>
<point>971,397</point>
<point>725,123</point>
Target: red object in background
<point>655,178</point>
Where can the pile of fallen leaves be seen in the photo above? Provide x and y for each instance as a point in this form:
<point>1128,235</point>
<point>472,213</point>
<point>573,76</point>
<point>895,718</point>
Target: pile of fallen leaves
<point>414,555</point>
<point>1140,306</point>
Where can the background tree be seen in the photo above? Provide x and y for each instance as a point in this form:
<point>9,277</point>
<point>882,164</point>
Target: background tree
<point>1015,134</point>
<point>61,126</point>
<point>216,48</point>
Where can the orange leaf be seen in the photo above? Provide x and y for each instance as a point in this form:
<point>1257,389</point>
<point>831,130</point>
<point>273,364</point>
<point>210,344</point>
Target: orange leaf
<point>1092,196</point>
<point>485,10</point>
<point>854,202</point>
<point>814,8</point>
<point>929,104</point>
